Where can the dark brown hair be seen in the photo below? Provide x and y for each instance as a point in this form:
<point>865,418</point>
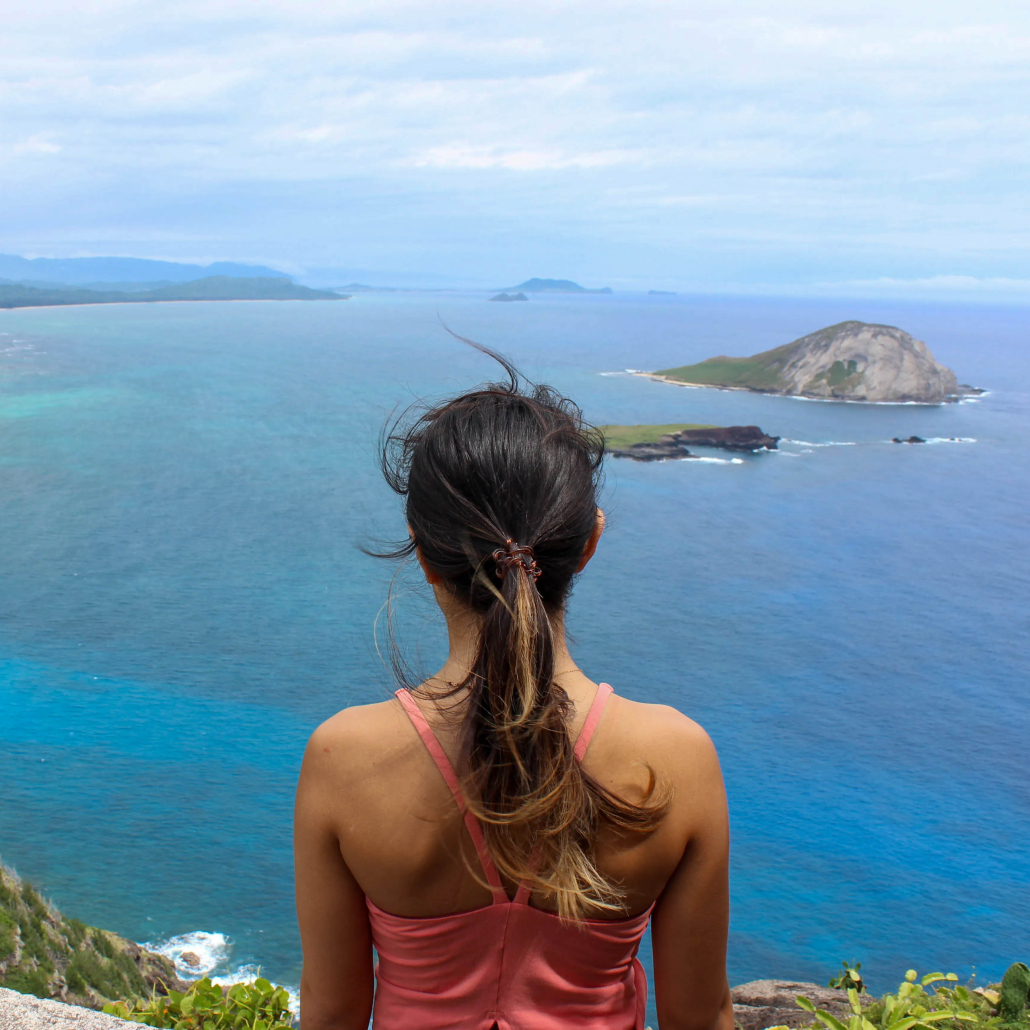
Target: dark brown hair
<point>507,462</point>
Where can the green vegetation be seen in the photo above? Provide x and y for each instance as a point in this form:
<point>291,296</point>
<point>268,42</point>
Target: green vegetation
<point>947,1005</point>
<point>44,954</point>
<point>759,372</point>
<point>625,436</point>
<point>838,374</point>
<point>215,287</point>
<point>256,1006</point>
<point>851,977</point>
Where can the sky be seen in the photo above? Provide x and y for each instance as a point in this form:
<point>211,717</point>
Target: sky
<point>828,147</point>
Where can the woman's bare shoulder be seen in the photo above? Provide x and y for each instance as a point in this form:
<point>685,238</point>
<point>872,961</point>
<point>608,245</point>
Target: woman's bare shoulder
<point>665,735</point>
<point>355,737</point>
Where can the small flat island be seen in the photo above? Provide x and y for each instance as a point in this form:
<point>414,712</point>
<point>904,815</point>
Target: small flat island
<point>510,296</point>
<point>664,442</point>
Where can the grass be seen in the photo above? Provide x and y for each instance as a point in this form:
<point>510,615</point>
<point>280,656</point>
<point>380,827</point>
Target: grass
<point>619,437</point>
<point>38,946</point>
<point>760,372</point>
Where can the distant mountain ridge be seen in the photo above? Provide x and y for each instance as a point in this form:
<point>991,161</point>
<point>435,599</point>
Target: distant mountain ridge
<point>852,360</point>
<point>553,286</point>
<point>216,287</point>
<point>95,270</point>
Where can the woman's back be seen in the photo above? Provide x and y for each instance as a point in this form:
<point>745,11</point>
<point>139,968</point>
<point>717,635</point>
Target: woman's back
<point>406,843</point>
<point>504,869</point>
<point>404,837</point>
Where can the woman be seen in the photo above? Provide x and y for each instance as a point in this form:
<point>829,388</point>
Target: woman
<point>503,832</point>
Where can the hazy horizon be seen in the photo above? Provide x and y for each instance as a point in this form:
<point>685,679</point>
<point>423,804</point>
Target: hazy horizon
<point>872,150</point>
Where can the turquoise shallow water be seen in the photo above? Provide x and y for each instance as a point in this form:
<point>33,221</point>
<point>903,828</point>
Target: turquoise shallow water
<point>184,488</point>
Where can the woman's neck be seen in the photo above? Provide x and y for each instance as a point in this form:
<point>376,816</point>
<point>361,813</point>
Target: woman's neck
<point>463,642</point>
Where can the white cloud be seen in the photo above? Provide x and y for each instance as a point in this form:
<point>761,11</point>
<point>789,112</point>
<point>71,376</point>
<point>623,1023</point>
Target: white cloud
<point>881,138</point>
<point>37,144</point>
<point>470,156</point>
<point>941,284</point>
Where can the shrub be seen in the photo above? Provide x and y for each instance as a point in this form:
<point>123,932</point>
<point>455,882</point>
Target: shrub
<point>28,981</point>
<point>35,903</point>
<point>102,944</point>
<point>8,896</point>
<point>1015,992</point>
<point>111,978</point>
<point>75,931</point>
<point>8,928</point>
<point>34,945</point>
<point>256,1006</point>
<point>946,1007</point>
<point>851,977</point>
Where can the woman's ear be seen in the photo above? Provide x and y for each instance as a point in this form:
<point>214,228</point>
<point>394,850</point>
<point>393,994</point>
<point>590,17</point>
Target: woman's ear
<point>432,577</point>
<point>595,536</point>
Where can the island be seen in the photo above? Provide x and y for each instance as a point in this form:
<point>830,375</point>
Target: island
<point>661,293</point>
<point>213,287</point>
<point>554,286</point>
<point>662,442</point>
<point>510,296</point>
<point>850,361</point>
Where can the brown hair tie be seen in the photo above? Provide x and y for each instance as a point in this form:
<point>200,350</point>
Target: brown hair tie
<point>512,554</point>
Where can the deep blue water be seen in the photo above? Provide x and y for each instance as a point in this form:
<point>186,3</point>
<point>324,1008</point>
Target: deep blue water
<point>183,489</point>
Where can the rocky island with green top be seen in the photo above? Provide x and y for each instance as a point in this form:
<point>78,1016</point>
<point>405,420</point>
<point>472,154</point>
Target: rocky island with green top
<point>850,361</point>
<point>664,442</point>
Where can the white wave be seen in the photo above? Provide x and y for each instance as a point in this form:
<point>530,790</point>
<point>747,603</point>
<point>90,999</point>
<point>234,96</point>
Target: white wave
<point>210,949</point>
<point>846,400</point>
<point>827,443</point>
<point>715,461</point>
<point>938,439</point>
<point>213,952</point>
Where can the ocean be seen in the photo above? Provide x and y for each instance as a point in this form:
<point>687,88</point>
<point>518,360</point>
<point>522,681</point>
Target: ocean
<point>184,491</point>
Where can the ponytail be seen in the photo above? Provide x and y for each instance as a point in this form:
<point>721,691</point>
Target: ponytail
<point>481,472</point>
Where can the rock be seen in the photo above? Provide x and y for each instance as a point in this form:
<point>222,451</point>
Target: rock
<point>26,1012</point>
<point>660,450</point>
<point>732,438</point>
<point>191,958</point>
<point>911,439</point>
<point>852,361</point>
<point>765,1003</point>
<point>157,970</point>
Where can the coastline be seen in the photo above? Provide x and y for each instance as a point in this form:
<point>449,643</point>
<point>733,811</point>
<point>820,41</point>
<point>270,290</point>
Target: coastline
<point>706,386</point>
<point>140,303</point>
<point>805,397</point>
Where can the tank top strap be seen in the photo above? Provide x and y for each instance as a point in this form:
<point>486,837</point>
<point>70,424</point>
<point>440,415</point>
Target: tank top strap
<point>443,763</point>
<point>586,734</point>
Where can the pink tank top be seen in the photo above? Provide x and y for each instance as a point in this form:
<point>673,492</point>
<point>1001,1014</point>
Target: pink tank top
<point>508,963</point>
